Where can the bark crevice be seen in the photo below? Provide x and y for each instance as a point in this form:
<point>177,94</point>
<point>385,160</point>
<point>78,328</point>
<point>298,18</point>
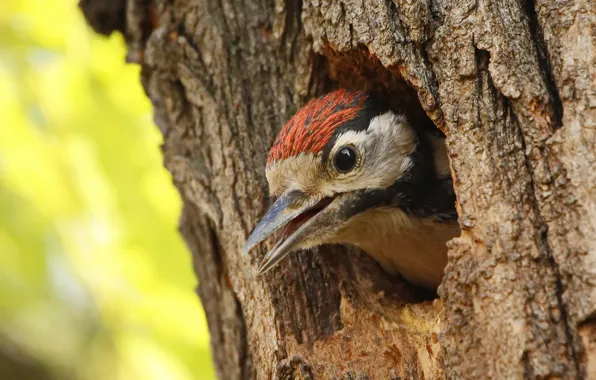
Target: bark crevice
<point>545,62</point>
<point>546,251</point>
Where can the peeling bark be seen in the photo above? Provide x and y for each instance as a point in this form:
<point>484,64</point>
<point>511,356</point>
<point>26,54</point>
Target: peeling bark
<point>510,83</point>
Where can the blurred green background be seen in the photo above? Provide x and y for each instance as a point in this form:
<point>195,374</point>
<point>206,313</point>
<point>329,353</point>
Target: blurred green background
<point>95,281</point>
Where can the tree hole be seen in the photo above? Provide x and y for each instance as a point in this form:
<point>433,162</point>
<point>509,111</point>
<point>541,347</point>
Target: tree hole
<point>357,69</point>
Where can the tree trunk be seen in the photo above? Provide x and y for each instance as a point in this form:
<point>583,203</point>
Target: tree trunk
<point>510,83</point>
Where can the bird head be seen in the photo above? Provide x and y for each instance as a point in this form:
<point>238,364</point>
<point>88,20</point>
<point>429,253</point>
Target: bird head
<point>339,156</point>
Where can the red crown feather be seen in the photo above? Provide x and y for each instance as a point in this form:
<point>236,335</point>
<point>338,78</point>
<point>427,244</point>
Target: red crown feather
<point>313,125</point>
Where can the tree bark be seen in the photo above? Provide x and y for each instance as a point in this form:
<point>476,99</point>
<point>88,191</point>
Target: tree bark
<point>510,83</point>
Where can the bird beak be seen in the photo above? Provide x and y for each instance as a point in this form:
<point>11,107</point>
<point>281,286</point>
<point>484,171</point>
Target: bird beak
<point>303,217</point>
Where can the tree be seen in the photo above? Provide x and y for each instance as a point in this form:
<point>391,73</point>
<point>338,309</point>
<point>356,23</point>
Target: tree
<point>510,83</point>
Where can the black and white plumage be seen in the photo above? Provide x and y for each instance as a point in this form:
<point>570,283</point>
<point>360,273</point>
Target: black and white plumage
<point>346,169</point>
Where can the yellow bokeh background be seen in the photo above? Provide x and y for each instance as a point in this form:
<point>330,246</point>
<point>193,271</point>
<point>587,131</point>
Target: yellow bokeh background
<point>95,281</point>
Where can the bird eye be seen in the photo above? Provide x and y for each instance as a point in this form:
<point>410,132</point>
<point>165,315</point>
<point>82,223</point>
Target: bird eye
<point>345,159</point>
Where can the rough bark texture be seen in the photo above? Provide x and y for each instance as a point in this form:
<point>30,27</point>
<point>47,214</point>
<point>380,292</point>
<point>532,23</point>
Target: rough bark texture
<point>511,84</point>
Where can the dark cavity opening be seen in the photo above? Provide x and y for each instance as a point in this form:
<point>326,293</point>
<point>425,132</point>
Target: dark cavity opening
<point>357,69</point>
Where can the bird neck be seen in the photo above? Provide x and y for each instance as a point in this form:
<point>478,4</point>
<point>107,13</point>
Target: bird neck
<point>413,247</point>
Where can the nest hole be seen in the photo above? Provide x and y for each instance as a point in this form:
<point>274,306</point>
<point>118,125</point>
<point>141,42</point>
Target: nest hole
<point>357,69</point>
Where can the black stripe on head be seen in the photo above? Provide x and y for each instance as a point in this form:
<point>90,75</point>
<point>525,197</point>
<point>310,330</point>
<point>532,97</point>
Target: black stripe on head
<point>433,200</point>
<point>419,192</point>
<point>372,108</point>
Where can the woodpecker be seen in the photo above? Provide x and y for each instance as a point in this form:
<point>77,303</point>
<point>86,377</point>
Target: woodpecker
<point>346,169</point>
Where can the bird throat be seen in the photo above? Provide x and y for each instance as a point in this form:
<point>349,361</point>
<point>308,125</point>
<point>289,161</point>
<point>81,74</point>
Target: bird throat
<point>413,247</point>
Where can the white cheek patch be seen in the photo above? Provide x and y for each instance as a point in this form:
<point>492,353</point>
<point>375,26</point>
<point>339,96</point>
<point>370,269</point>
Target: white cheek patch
<point>350,137</point>
<point>384,149</point>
